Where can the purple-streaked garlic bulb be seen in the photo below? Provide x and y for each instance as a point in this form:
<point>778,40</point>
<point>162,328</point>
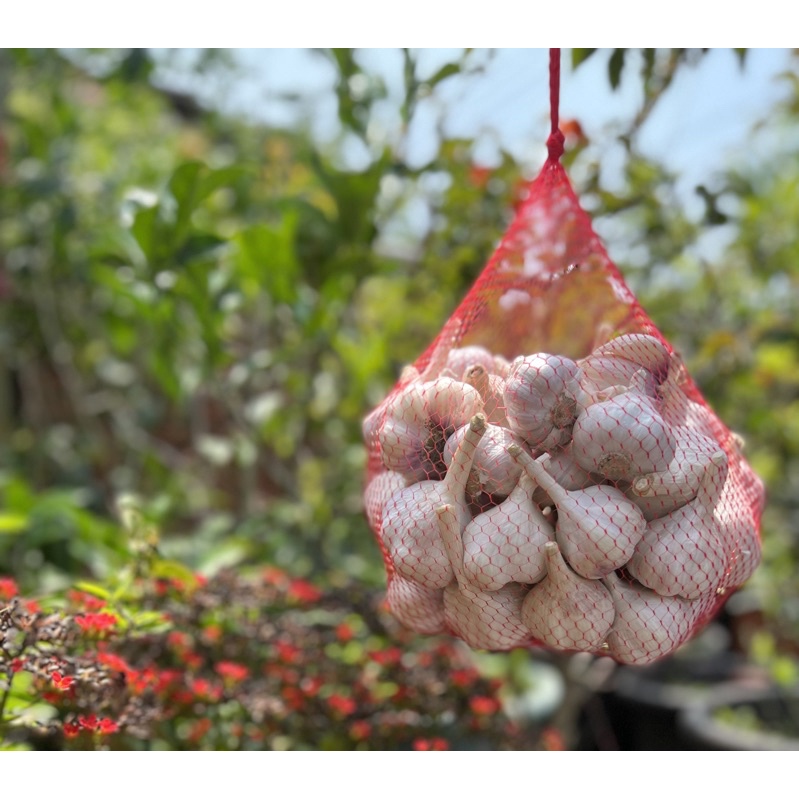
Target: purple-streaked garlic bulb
<point>542,399</point>
<point>506,543</point>
<point>566,611</point>
<point>598,528</point>
<point>483,619</point>
<point>417,422</point>
<point>410,525</point>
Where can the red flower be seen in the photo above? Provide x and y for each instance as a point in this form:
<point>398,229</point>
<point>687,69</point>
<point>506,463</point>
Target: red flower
<point>88,722</point>
<point>85,601</point>
<point>288,653</point>
<point>199,729</point>
<point>430,745</point>
<point>234,672</point>
<point>387,657</point>
<point>96,622</point>
<point>311,686</point>
<point>17,664</point>
<point>8,588</point>
<point>553,740</point>
<point>463,678</point>
<point>107,726</point>
<point>303,591</point>
<point>62,683</point>
<point>71,729</point>
<point>344,632</point>
<point>273,576</point>
<point>212,633</point>
<point>32,606</point>
<point>484,705</point>
<point>344,705</point>
<point>360,730</point>
<point>204,689</point>
<point>113,662</point>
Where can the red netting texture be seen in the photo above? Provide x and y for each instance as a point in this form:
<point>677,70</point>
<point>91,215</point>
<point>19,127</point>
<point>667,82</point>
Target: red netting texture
<point>546,472</point>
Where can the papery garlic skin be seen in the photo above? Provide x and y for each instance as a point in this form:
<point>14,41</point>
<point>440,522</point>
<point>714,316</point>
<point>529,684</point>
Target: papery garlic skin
<point>542,398</point>
<point>623,438</point>
<point>566,611</point>
<point>461,358</point>
<point>380,489</point>
<point>598,528</point>
<point>495,472</point>
<point>492,390</point>
<point>647,626</point>
<point>410,525</point>
<point>420,609</point>
<point>683,553</point>
<point>417,422</point>
<point>506,543</point>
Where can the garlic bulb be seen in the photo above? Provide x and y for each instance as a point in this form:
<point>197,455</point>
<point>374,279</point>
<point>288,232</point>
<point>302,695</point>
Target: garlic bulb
<point>461,358</point>
<point>659,493</point>
<point>739,531</point>
<point>683,554</point>
<point>417,422</point>
<point>566,611</point>
<point>640,349</point>
<point>495,472</point>
<point>623,438</point>
<point>410,523</point>
<point>491,388</point>
<point>598,528</point>
<point>377,493</point>
<point>542,398</point>
<point>506,543</point>
<point>647,626</point>
<point>420,609</point>
<point>483,619</point>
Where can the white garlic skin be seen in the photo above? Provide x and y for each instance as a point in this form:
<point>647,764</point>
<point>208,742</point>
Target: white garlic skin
<point>598,528</point>
<point>487,620</point>
<point>623,438</point>
<point>641,349</point>
<point>410,526</point>
<point>506,543</point>
<point>461,358</point>
<point>566,611</point>
<point>496,471</point>
<point>647,626</point>
<point>542,395</point>
<point>418,415</point>
<point>380,489</point>
<point>660,493</point>
<point>420,609</point>
<point>492,390</point>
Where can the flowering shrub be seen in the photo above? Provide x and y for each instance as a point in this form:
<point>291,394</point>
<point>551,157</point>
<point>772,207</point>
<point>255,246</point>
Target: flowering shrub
<point>256,661</point>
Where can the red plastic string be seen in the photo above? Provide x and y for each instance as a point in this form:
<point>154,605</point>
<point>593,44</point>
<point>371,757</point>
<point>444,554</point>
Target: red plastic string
<point>556,138</point>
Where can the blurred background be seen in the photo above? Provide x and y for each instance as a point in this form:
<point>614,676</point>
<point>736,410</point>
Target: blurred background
<point>214,263</point>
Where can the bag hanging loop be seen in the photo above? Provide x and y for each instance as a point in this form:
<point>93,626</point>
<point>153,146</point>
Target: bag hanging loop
<point>556,138</point>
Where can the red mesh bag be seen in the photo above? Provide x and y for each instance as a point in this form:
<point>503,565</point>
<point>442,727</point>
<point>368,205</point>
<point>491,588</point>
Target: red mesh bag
<point>547,472</point>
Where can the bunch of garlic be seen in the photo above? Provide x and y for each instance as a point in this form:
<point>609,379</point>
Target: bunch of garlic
<point>583,505</point>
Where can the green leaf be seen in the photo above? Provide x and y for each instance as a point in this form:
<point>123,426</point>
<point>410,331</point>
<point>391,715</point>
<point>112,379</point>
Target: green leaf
<point>581,54</point>
<point>93,589</point>
<point>445,72</point>
<point>11,523</point>
<point>615,66</point>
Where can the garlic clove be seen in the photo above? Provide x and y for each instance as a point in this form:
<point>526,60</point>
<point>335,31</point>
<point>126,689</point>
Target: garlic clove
<point>598,528</point>
<point>566,611</point>
<point>419,608</point>
<point>506,543</point>
<point>377,493</point>
<point>541,398</point>
<point>739,530</point>
<point>603,378</point>
<point>410,524</point>
<point>647,626</point>
<point>623,438</point>
<point>461,358</point>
